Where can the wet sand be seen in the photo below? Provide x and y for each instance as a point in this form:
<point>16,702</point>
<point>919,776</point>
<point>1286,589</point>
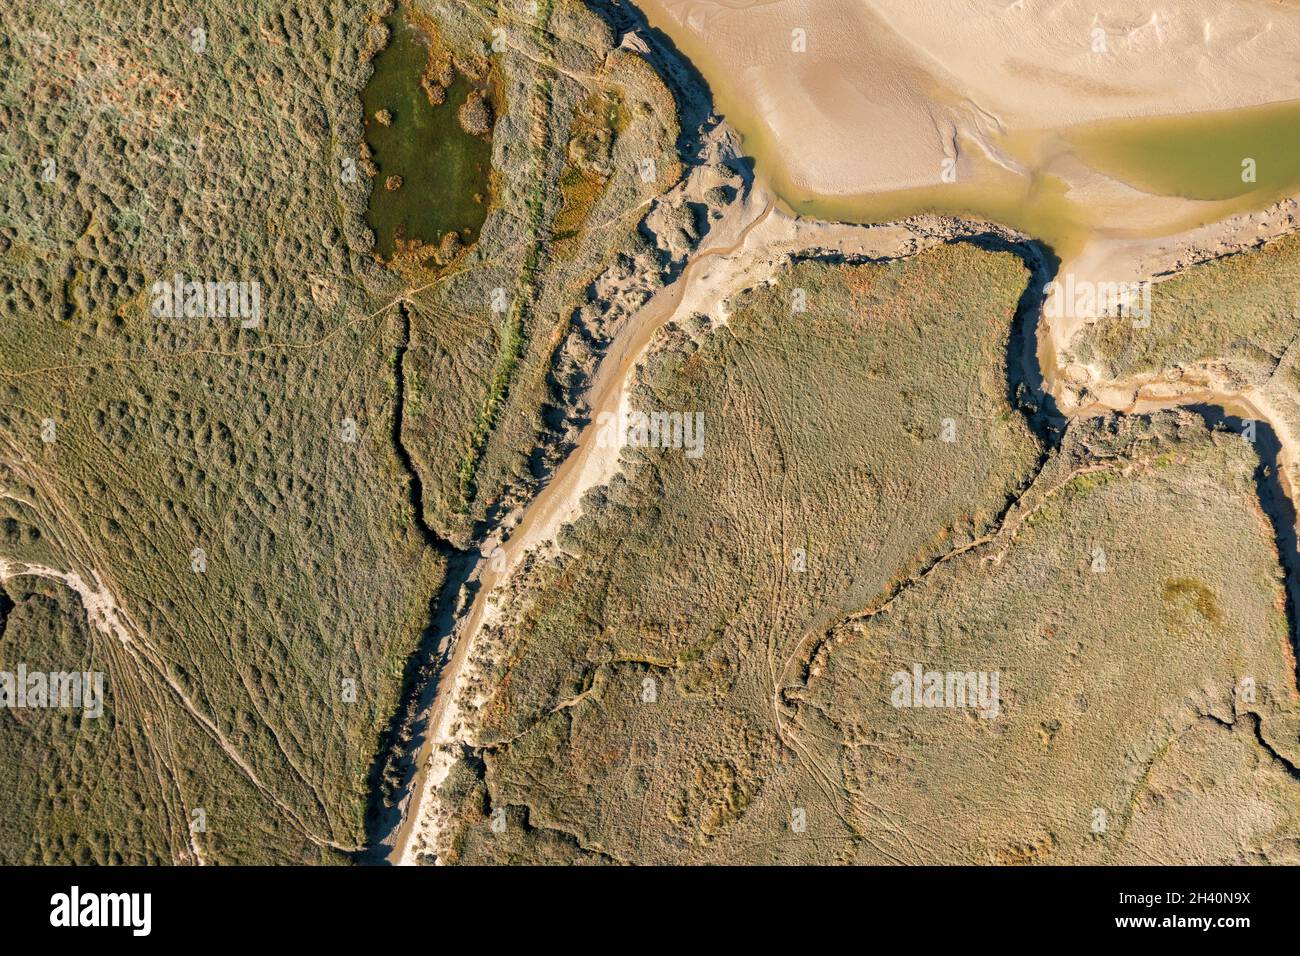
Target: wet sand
<point>891,99</point>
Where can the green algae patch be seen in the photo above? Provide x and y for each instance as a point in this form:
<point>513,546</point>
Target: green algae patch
<point>430,176</point>
<point>1190,593</point>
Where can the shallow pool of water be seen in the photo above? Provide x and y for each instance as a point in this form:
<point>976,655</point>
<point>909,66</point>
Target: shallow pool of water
<point>1200,155</point>
<point>443,169</point>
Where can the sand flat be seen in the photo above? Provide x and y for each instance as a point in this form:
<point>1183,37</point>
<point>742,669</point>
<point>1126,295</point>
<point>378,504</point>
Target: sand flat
<point>889,95</point>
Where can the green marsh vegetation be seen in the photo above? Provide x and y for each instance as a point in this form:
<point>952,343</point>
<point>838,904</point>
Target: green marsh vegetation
<point>771,687</point>
<point>183,434</point>
<point>1241,312</point>
<point>821,429</point>
<point>1230,325</point>
<point>1121,585</point>
<point>272,671</point>
<point>200,433</point>
<point>443,168</point>
<point>505,338</point>
<point>1122,619</point>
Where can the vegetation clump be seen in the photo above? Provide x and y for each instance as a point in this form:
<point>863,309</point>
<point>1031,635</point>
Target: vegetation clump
<point>449,248</point>
<point>475,114</point>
